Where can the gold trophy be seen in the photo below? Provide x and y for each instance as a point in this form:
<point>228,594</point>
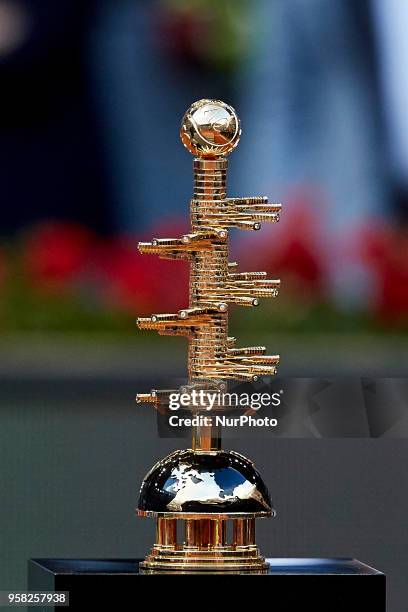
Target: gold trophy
<point>205,499</point>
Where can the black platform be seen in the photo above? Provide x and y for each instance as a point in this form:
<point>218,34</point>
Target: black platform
<point>293,584</point>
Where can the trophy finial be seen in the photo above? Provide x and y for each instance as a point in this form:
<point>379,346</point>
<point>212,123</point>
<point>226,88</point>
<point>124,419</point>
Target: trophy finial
<point>210,129</point>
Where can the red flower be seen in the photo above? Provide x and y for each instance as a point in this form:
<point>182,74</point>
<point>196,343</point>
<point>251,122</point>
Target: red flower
<point>292,250</point>
<point>142,284</point>
<point>57,253</point>
<point>124,281</point>
<point>385,251</point>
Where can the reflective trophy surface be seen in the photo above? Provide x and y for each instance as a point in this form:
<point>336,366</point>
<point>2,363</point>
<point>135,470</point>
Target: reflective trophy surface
<point>205,500</point>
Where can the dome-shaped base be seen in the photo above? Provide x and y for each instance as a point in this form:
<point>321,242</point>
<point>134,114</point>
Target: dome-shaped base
<point>221,484</point>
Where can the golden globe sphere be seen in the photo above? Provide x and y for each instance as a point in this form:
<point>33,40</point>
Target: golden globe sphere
<point>210,129</point>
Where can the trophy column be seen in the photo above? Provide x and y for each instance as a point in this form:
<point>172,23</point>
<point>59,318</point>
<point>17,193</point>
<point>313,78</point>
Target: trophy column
<point>205,499</point>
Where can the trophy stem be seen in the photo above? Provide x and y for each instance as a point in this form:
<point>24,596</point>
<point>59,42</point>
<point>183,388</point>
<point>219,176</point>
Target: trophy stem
<point>206,438</point>
<point>208,270</point>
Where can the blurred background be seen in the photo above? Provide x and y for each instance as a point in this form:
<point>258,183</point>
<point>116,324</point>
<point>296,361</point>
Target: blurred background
<point>91,162</point>
<point>92,94</point>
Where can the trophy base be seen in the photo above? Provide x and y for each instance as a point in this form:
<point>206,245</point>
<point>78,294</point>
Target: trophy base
<point>245,559</point>
<point>206,545</point>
